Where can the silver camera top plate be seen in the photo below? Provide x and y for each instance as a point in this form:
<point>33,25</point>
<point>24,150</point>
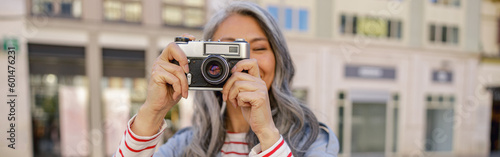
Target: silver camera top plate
<point>237,49</point>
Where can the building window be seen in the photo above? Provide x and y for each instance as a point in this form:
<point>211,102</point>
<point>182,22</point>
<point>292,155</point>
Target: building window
<point>439,123</point>
<point>395,99</point>
<point>57,8</point>
<point>294,19</point>
<point>273,11</point>
<point>348,24</point>
<point>123,87</point>
<point>188,13</point>
<point>432,33</point>
<point>455,3</point>
<point>443,34</point>
<point>123,10</point>
<point>354,25</point>
<point>394,29</point>
<point>288,18</point>
<point>371,26</point>
<point>303,20</point>
<point>454,35</point>
<point>301,94</point>
<point>341,105</point>
<point>58,88</point>
<point>343,23</point>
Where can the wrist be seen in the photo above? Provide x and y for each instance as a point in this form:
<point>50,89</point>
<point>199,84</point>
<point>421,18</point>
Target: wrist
<point>148,121</point>
<point>267,137</point>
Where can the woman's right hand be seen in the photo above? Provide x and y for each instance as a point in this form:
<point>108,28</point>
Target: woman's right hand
<point>166,85</point>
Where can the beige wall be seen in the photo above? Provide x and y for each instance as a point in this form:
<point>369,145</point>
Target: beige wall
<point>320,70</point>
<point>13,25</point>
<point>489,28</point>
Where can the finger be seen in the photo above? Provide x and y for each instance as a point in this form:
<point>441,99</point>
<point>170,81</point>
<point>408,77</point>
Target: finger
<point>243,104</point>
<point>247,64</point>
<point>187,35</point>
<point>177,71</point>
<point>162,77</point>
<point>246,99</point>
<point>173,51</point>
<point>234,77</point>
<point>256,99</point>
<point>241,86</point>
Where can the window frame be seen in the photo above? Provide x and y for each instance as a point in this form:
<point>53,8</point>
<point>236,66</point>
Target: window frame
<point>350,27</point>
<point>183,8</point>
<point>56,10</point>
<point>303,20</point>
<point>447,3</point>
<point>123,11</point>
<point>452,34</point>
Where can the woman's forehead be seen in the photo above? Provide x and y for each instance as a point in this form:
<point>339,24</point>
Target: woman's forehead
<point>248,39</point>
<point>239,26</point>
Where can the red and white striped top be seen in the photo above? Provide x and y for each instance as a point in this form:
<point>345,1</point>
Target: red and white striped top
<point>234,145</point>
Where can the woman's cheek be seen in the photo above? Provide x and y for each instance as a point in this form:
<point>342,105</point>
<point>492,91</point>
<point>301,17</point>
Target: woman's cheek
<point>270,64</point>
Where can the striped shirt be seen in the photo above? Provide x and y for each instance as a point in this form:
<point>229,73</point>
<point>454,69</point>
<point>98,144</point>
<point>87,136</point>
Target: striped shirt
<point>234,145</point>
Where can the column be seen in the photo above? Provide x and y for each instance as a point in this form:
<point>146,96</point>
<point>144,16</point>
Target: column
<point>152,52</point>
<point>92,10</point>
<point>472,21</point>
<point>415,25</point>
<point>152,13</point>
<point>93,68</point>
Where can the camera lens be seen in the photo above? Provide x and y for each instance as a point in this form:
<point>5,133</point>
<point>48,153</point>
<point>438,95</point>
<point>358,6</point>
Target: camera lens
<point>215,69</point>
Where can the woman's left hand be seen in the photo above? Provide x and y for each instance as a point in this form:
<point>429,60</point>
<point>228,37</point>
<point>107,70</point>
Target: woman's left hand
<point>249,91</point>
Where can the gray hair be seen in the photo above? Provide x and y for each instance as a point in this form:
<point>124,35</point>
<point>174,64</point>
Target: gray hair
<point>293,119</point>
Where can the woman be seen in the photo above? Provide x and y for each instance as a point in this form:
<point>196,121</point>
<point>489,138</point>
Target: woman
<point>262,117</point>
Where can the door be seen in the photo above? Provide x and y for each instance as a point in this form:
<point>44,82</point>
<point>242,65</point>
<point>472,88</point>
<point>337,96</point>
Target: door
<point>370,123</point>
<point>495,123</point>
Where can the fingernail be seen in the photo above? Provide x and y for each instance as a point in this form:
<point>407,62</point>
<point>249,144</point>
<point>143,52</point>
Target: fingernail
<point>186,68</point>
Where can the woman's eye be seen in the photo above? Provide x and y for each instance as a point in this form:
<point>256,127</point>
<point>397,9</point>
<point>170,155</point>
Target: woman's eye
<point>260,49</point>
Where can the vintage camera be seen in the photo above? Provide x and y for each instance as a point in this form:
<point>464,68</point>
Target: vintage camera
<point>210,62</point>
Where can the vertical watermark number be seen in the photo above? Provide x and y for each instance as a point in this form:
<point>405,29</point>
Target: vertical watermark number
<point>11,96</point>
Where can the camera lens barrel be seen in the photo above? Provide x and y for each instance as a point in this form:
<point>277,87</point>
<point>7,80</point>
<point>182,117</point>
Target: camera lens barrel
<point>215,69</point>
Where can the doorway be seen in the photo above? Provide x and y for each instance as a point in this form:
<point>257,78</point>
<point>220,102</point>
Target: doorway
<point>368,129</point>
<point>495,123</point>
<point>371,124</point>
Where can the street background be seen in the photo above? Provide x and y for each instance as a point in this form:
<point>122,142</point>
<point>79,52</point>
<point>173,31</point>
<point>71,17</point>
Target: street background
<point>389,77</point>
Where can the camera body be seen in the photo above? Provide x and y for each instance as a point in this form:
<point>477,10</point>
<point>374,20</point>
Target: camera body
<point>210,62</point>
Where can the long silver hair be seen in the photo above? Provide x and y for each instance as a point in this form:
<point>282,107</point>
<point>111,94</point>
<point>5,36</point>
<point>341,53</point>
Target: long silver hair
<point>293,119</point>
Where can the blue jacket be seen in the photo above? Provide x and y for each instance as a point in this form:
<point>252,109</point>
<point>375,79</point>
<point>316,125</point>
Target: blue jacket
<point>326,145</point>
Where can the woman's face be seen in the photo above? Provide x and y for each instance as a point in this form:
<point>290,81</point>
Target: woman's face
<point>246,27</point>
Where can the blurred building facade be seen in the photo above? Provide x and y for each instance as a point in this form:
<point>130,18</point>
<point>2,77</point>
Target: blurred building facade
<point>390,77</point>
